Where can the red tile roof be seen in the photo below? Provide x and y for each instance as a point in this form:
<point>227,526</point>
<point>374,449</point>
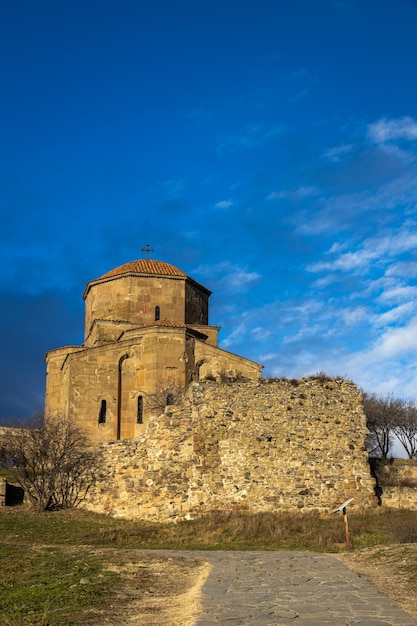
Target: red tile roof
<point>146,266</point>
<point>162,323</point>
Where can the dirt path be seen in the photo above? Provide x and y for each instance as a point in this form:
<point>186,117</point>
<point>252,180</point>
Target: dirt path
<point>156,590</point>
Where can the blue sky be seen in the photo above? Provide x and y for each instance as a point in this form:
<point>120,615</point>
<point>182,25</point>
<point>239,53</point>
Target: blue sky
<point>268,148</point>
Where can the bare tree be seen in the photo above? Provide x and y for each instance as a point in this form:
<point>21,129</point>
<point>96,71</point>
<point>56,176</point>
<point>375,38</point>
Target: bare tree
<point>167,393</point>
<point>51,461</point>
<point>406,428</point>
<point>383,413</point>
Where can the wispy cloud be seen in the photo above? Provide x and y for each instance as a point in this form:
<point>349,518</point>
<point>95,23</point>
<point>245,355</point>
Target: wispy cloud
<point>228,277</point>
<point>381,249</point>
<point>343,211</point>
<point>395,341</point>
<point>386,130</point>
<point>394,315</point>
<point>224,204</point>
<point>403,268</point>
<point>399,293</point>
<point>297,194</point>
<point>335,154</point>
<point>349,261</point>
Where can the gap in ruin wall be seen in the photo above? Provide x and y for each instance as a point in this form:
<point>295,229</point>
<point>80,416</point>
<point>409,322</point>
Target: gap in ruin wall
<point>250,446</point>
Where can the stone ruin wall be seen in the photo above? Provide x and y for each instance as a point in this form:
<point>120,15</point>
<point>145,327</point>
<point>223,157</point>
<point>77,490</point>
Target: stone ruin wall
<point>399,484</point>
<point>281,445</point>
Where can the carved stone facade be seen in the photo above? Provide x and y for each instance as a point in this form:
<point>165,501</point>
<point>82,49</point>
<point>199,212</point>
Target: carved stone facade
<point>253,446</point>
<point>146,330</point>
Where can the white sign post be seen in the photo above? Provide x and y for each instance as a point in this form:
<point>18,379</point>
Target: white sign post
<point>343,508</point>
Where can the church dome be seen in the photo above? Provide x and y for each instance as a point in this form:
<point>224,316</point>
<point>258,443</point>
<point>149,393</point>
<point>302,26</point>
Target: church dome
<point>145,267</point>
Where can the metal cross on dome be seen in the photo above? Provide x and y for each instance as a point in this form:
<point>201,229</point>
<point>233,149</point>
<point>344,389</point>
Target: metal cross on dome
<point>147,249</point>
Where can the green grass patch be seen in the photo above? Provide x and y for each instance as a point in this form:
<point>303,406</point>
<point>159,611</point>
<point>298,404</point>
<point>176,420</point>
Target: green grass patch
<point>51,586</point>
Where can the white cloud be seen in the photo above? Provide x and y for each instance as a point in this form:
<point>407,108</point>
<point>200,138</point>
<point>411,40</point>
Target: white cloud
<point>371,252</point>
<point>260,332</point>
<point>403,269</point>
<point>346,262</point>
<point>269,356</point>
<point>324,281</point>
<point>353,316</point>
<point>239,331</point>
<point>227,277</point>
<point>373,185</point>
<point>297,194</point>
<point>385,130</point>
<point>335,154</point>
<point>394,315</point>
<point>224,204</point>
<point>395,341</point>
<point>399,293</point>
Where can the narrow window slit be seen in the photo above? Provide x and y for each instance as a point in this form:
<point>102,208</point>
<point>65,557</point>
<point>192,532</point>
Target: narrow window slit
<point>103,411</point>
<point>140,410</point>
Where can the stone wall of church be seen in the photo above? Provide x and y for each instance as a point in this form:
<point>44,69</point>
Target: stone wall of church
<point>122,373</point>
<point>134,299</point>
<point>117,374</point>
<point>293,445</point>
<point>215,363</point>
<point>196,304</point>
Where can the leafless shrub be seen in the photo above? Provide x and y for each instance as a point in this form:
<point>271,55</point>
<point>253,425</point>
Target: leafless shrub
<point>231,377</point>
<point>322,377</point>
<point>51,461</point>
<point>224,377</point>
<point>167,393</point>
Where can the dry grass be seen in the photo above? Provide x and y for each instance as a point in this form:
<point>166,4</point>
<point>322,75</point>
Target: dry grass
<point>390,569</point>
<point>219,530</point>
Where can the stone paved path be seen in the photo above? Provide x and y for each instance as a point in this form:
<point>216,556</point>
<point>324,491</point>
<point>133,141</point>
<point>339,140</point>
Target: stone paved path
<point>290,588</point>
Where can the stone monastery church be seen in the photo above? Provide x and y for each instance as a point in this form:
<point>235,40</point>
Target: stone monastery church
<point>230,441</point>
<point>146,330</point>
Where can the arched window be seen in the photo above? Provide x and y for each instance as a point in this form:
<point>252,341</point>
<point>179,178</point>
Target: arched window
<point>139,418</point>
<point>102,414</point>
<point>157,313</point>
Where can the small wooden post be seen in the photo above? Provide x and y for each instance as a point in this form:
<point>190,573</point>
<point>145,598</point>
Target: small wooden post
<point>345,519</point>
